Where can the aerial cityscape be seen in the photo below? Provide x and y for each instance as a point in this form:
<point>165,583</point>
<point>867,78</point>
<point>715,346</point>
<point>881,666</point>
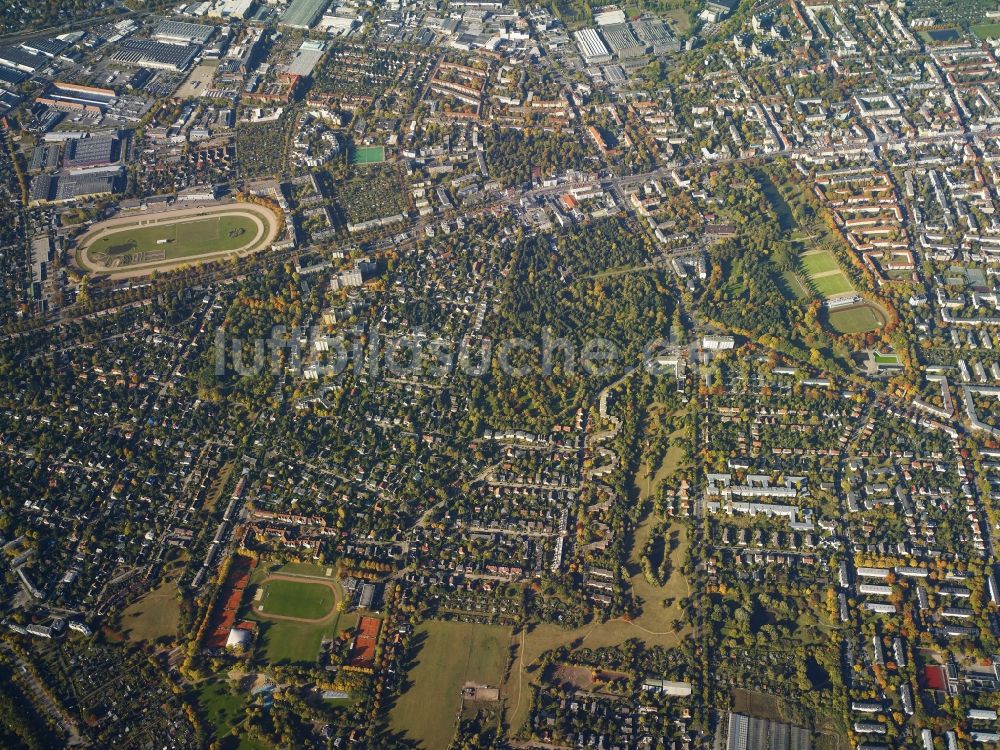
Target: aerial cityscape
<point>458,374</point>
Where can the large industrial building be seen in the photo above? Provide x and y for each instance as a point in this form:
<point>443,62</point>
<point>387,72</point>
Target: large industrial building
<point>655,34</point>
<point>22,59</point>
<point>67,187</point>
<point>183,32</point>
<point>152,54</point>
<point>591,47</point>
<point>622,41</point>
<point>302,14</point>
<point>73,97</point>
<point>95,151</point>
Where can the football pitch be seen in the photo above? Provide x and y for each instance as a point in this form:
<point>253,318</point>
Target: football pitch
<point>367,155</point>
<point>857,319</point>
<point>297,599</point>
<point>986,30</point>
<point>824,273</point>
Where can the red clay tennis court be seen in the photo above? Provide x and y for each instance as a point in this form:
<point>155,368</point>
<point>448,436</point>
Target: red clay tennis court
<point>363,651</point>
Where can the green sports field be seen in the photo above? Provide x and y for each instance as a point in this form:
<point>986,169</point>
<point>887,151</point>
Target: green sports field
<point>986,30</point>
<point>858,319</point>
<point>298,642</point>
<point>302,599</point>
<point>818,262</point>
<point>367,155</point>
<point>183,238</point>
<point>824,273</point>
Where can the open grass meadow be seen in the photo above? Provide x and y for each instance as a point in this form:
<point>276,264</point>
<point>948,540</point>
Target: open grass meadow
<point>285,598</point>
<point>833,284</point>
<point>290,643</point>
<point>447,655</point>
<point>219,705</point>
<point>818,261</point>
<point>793,287</point>
<point>157,613</point>
<point>306,569</point>
<point>154,615</point>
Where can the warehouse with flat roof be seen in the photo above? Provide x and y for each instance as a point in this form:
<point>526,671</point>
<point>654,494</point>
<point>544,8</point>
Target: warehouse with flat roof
<point>302,14</point>
<point>182,32</point>
<point>622,41</point>
<point>148,53</point>
<point>22,59</point>
<point>592,49</point>
<point>95,151</point>
<point>655,34</point>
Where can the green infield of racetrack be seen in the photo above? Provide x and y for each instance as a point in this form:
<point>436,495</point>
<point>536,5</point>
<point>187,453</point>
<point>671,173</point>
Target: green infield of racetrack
<point>367,155</point>
<point>185,239</point>
<point>309,601</point>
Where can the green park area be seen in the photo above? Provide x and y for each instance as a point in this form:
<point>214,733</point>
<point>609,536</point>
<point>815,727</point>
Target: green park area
<point>361,155</point>
<point>446,655</point>
<point>219,704</point>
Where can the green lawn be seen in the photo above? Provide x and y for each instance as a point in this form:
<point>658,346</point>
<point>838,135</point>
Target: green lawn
<point>155,615</point>
<point>310,601</point>
<point>221,706</point>
<point>830,286</point>
<point>247,743</point>
<point>449,655</point>
<point>818,262</point>
<point>184,238</point>
<point>307,569</point>
<point>825,275</point>
<point>289,643</point>
<point>986,30</point>
<point>367,155</point>
<point>792,286</point>
<point>297,643</point>
<point>860,319</point>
